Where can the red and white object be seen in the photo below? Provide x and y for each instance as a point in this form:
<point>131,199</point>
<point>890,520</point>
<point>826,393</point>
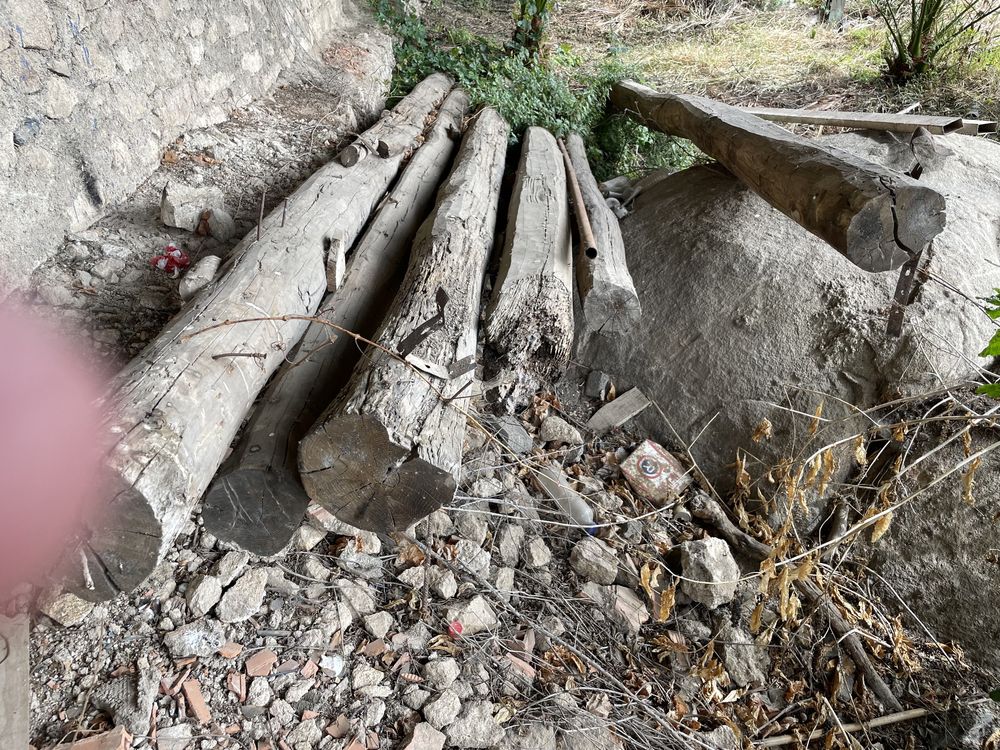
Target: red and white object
<point>655,473</point>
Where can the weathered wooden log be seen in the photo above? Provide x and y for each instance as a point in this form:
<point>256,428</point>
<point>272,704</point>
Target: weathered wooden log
<point>530,317</point>
<point>894,123</point>
<point>876,218</point>
<point>387,452</point>
<point>257,500</point>
<point>383,138</point>
<point>607,294</point>
<point>15,682</point>
<point>179,403</point>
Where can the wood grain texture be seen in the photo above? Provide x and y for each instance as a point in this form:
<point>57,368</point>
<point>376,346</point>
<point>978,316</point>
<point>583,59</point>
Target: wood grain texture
<point>15,688</point>
<point>938,125</point>
<point>179,403</point>
<point>876,218</point>
<point>530,316</point>
<point>257,500</point>
<point>607,293</point>
<point>388,451</point>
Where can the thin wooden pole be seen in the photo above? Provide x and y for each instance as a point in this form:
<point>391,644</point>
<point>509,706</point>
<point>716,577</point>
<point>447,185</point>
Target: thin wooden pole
<point>582,219</point>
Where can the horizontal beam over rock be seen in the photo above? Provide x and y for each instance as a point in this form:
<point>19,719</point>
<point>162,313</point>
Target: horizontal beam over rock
<point>876,218</point>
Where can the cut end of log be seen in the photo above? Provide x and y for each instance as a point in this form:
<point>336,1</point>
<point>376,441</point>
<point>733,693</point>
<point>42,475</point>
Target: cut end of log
<point>615,310</point>
<point>119,550</point>
<point>256,509</point>
<point>353,469</point>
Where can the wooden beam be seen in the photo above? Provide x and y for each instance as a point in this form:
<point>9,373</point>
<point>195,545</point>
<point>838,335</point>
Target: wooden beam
<point>179,403</point>
<point>388,451</point>
<point>876,218</point>
<point>607,294</point>
<point>257,500</point>
<point>530,316</point>
<point>938,125</point>
<point>15,688</point>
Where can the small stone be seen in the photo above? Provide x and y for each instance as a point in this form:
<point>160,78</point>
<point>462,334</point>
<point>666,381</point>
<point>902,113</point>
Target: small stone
<point>221,224</point>
<point>307,536</point>
<point>413,577</point>
<point>442,711</point>
<point>745,661</point>
<point>229,566</point>
<point>177,737</point>
<point>182,205</point>
<point>597,385</point>
<point>443,583</point>
<point>27,131</point>
<point>721,738</point>
<point>476,616</point>
<point>365,676</point>
<point>203,594</point>
<point>77,250</point>
<point>259,693</point>
<point>710,572</point>
<point>313,568</point>
<point>416,698</point>
<point>472,557</point>
<point>472,526</point>
<point>425,737</point>
<point>537,553</point>
<point>487,488</point>
<point>476,727</point>
<point>511,434</point>
<point>57,295</point>
<point>297,691</point>
<point>631,611</point>
<point>107,267</point>
<point>333,664</point>
<point>510,539</point>
<point>200,638</point>
<point>504,581</point>
<point>533,737</point>
<point>357,595</point>
<point>438,523</point>
<point>595,561</point>
<point>230,650</point>
<point>558,431</point>
<point>306,735</point>
<point>245,598</point>
<point>84,278</point>
<point>282,711</point>
<point>115,251</point>
<point>66,609</point>
<point>129,699</point>
<point>378,624</point>
<point>441,673</point>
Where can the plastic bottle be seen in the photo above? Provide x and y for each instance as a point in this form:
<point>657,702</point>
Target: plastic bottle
<point>553,482</point>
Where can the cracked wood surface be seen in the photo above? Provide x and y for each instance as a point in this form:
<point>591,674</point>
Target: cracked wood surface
<point>530,317</point>
<point>874,217</point>
<point>177,405</point>
<point>257,501</point>
<point>607,293</point>
<point>388,451</point>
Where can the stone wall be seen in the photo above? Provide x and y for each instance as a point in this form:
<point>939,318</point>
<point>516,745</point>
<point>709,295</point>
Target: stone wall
<point>92,91</point>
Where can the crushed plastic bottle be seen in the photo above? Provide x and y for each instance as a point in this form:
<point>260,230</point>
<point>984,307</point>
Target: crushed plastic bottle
<point>553,482</point>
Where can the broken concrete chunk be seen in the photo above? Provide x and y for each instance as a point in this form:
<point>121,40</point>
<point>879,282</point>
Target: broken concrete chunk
<point>510,539</point>
<point>595,561</point>
<point>443,711</point>
<point>475,616</point>
<point>66,609</point>
<point>203,593</point>
<point>425,737</point>
<point>357,595</point>
<point>443,583</point>
<point>129,698</point>
<point>746,662</point>
<point>177,737</point>
<point>710,572</point>
<point>537,553</point>
<point>229,566</point>
<point>220,224</point>
<point>472,557</point>
<point>630,609</point>
<point>442,672</point>
<point>511,434</point>
<point>476,727</point>
<point>536,736</point>
<point>413,577</point>
<point>558,431</point>
<point>200,638</point>
<point>245,598</point>
<point>597,385</point>
<point>378,624</point>
<point>182,205</point>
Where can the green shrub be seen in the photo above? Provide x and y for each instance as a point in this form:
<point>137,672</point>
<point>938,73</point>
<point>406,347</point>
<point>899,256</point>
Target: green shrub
<point>558,92</point>
<point>924,33</point>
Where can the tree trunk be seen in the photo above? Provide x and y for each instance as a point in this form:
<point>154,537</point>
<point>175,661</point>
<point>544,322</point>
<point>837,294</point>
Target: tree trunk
<point>874,217</point>
<point>388,451</point>
<point>530,318</point>
<point>180,402</point>
<point>257,501</point>
<point>607,294</point>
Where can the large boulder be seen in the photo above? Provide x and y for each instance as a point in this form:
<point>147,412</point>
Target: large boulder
<point>746,316</point>
<point>939,561</point>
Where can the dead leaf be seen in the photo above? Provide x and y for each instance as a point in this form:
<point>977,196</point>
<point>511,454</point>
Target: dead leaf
<point>763,431</point>
<point>817,417</point>
<point>969,479</point>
